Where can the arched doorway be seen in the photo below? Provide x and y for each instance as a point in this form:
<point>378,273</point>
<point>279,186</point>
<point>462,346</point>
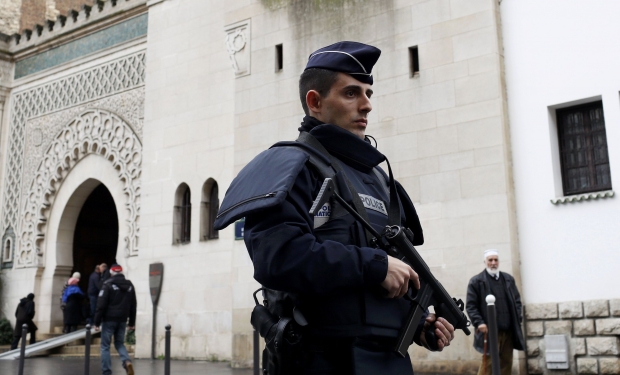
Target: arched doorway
<point>95,239</point>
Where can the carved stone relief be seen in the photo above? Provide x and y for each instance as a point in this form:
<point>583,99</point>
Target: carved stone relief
<point>238,44</point>
<point>95,131</point>
<point>128,105</point>
<point>82,88</point>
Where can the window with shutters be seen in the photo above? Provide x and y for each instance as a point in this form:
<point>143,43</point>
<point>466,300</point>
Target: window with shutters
<point>209,207</point>
<point>182,219</point>
<point>583,149</point>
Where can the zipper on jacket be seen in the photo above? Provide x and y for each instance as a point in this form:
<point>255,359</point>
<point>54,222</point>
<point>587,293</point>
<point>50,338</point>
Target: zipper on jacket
<point>269,195</point>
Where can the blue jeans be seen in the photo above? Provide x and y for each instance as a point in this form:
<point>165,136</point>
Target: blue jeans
<point>107,330</point>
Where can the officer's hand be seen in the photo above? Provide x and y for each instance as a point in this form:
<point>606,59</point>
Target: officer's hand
<point>482,328</point>
<point>444,331</point>
<point>397,279</point>
<point>97,328</point>
<point>132,328</point>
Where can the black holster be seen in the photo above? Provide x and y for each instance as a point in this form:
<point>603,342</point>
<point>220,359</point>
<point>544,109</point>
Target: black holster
<point>283,350</point>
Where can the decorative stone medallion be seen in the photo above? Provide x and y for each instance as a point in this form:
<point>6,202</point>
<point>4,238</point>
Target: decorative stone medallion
<point>239,47</point>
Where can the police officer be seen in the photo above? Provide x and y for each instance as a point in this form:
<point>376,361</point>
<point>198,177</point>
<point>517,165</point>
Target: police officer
<point>348,292</point>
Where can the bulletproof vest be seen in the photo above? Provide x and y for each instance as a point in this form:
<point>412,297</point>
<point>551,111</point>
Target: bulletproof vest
<point>350,313</point>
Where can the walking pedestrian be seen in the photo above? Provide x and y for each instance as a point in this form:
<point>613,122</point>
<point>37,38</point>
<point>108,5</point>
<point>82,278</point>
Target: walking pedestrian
<point>72,298</point>
<point>105,274</point>
<point>24,314</point>
<point>508,307</point>
<point>93,291</point>
<point>116,304</point>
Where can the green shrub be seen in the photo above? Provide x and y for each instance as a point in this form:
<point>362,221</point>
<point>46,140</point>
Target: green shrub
<point>6,332</point>
<point>130,338</point>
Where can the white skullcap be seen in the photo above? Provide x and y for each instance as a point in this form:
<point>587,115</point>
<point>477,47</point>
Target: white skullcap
<point>490,252</point>
<point>76,275</point>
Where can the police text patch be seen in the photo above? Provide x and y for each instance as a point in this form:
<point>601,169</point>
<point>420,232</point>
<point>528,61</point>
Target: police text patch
<point>323,215</point>
<point>373,203</point>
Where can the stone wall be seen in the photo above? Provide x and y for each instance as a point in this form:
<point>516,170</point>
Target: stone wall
<point>9,16</point>
<point>593,330</point>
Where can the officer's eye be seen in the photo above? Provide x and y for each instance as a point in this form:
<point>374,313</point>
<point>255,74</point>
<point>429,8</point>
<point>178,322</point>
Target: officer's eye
<point>350,93</point>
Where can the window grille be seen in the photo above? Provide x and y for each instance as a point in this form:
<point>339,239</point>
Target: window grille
<point>182,215</point>
<point>583,149</point>
<point>8,247</point>
<point>186,217</point>
<point>209,207</point>
<point>7,255</point>
<point>214,207</point>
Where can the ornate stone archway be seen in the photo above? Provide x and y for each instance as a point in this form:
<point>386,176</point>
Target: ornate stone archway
<point>94,131</point>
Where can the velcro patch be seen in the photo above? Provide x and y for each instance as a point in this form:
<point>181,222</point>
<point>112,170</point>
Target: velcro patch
<point>373,203</point>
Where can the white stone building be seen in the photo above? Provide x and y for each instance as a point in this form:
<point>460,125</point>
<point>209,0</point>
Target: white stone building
<point>563,90</point>
<point>156,105</point>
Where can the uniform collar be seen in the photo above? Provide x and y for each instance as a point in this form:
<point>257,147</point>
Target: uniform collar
<point>344,145</point>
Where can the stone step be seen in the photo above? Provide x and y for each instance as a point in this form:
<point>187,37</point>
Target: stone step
<point>80,350</point>
<point>4,348</point>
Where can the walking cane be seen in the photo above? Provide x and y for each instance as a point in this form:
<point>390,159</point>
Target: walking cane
<point>484,355</point>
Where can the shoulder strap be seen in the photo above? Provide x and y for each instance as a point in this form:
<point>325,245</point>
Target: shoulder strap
<point>307,138</point>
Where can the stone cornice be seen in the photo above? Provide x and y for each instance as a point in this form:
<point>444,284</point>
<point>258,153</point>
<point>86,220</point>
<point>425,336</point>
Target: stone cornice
<point>78,24</point>
<point>583,197</point>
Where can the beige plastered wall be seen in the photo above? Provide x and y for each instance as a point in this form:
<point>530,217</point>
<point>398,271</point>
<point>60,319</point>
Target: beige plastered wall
<point>188,138</point>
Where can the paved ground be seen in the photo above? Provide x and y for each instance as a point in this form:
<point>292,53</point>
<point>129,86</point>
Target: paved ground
<point>59,366</point>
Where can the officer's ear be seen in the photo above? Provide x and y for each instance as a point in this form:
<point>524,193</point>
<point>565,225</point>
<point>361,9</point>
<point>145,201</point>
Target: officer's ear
<point>314,101</point>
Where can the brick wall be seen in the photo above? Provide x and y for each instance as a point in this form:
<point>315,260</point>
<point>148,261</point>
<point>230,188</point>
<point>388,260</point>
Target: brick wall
<point>592,328</point>
<point>64,6</point>
<point>37,12</point>
<point>32,14</point>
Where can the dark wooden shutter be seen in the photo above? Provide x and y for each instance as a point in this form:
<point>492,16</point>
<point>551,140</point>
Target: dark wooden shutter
<point>583,149</point>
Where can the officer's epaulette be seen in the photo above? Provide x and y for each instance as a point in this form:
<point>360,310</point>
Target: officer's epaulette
<point>263,183</point>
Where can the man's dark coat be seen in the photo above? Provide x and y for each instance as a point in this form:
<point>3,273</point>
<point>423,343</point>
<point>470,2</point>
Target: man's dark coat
<point>477,290</point>
<point>117,301</point>
<point>24,315</point>
<point>94,284</point>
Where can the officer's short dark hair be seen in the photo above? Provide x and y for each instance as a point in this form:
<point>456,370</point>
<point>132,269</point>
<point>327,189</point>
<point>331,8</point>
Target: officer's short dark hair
<point>320,80</point>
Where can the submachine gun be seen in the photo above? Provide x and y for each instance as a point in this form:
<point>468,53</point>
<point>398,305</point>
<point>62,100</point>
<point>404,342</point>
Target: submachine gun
<point>395,240</point>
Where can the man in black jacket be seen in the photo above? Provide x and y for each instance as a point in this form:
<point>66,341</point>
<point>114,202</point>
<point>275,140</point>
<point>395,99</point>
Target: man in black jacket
<point>116,304</point>
<point>508,310</point>
<point>93,291</point>
<point>24,314</point>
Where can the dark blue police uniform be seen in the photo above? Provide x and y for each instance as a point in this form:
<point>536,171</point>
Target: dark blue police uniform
<point>326,261</point>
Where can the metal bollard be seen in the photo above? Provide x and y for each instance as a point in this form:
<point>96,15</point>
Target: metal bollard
<point>256,354</point>
<point>22,351</point>
<point>167,353</point>
<point>87,351</point>
<point>493,339</point>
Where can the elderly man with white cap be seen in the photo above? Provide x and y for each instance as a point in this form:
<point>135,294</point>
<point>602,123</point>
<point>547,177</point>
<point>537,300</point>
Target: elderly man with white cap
<point>508,308</point>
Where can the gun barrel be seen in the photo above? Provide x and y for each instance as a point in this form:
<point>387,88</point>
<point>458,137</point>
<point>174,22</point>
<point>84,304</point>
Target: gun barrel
<point>447,308</point>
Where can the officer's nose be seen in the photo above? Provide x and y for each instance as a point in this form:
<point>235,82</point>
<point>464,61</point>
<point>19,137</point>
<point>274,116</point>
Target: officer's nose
<point>365,105</point>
